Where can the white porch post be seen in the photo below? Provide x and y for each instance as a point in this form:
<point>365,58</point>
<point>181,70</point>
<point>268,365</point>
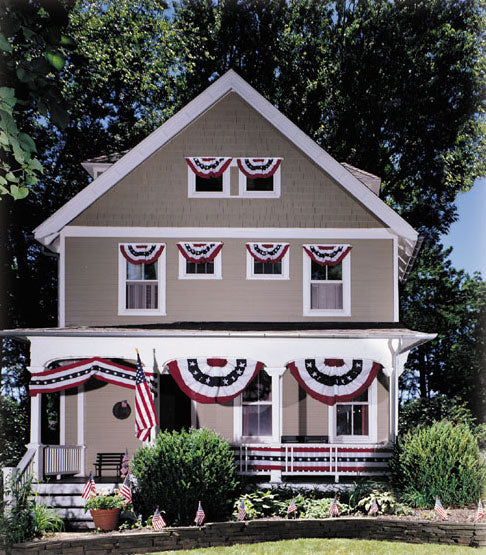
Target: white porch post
<point>35,434</point>
<point>276,375</point>
<point>80,431</point>
<point>62,417</point>
<point>395,346</point>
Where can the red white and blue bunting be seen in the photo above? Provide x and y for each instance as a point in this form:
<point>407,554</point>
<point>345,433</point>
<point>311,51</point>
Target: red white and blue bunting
<point>327,255</point>
<point>199,252</point>
<point>213,380</point>
<point>268,252</point>
<point>208,167</point>
<point>77,373</point>
<point>259,167</point>
<point>141,254</point>
<point>332,380</point>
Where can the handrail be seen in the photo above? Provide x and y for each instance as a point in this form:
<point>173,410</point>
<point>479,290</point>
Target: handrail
<point>25,468</point>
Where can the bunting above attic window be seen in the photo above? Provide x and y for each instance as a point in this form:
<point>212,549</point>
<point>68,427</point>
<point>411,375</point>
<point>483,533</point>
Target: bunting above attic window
<point>77,373</point>
<point>333,380</point>
<point>141,254</point>
<point>259,167</point>
<point>207,168</point>
<point>199,253</point>
<point>267,252</point>
<point>327,255</point>
<point>213,380</point>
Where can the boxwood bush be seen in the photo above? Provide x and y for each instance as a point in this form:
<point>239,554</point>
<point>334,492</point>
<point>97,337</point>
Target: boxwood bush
<point>180,469</point>
<point>442,459</point>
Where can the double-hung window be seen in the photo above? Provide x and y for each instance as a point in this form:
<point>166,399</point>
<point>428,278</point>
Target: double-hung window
<point>141,279</point>
<point>327,280</point>
<point>256,407</point>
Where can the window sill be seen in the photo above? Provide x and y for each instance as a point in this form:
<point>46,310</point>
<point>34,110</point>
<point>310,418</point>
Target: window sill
<point>268,276</point>
<point>141,312</point>
<point>352,439</point>
<point>201,276</point>
<point>318,312</point>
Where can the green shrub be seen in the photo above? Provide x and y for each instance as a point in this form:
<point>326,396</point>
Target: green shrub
<point>319,508</point>
<point>17,520</point>
<point>267,503</point>
<point>46,521</point>
<point>105,501</point>
<point>180,469</point>
<point>442,459</point>
<point>386,501</point>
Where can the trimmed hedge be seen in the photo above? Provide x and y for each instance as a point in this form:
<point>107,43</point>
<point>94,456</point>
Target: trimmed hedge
<point>442,459</point>
<point>182,468</point>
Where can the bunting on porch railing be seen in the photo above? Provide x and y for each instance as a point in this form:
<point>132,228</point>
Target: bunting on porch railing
<point>77,373</point>
<point>213,380</point>
<point>208,167</point>
<point>332,380</point>
<point>268,252</point>
<point>327,255</point>
<point>258,167</point>
<point>199,252</point>
<point>141,254</point>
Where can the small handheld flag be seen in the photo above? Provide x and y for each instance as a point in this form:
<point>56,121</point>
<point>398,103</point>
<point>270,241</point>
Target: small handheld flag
<point>200,516</point>
<point>241,510</point>
<point>292,508</point>
<point>374,507</point>
<point>334,508</point>
<point>125,465</point>
<point>480,513</point>
<point>158,521</point>
<point>89,488</point>
<point>439,509</point>
<point>126,489</point>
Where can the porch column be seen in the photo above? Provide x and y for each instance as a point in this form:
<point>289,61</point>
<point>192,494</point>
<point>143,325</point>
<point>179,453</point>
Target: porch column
<point>36,427</point>
<point>395,346</point>
<point>276,375</point>
<point>80,430</point>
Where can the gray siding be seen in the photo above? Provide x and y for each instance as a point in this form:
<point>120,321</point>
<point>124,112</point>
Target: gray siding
<point>92,286</point>
<point>155,193</point>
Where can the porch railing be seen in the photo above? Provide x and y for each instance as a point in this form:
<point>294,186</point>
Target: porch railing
<point>62,459</point>
<point>304,459</point>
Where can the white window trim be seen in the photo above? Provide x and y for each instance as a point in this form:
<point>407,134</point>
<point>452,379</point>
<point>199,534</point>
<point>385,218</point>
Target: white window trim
<point>372,424</point>
<point>259,194</point>
<point>122,272</point>
<point>308,311</point>
<point>218,268</point>
<point>250,267</point>
<point>191,186</point>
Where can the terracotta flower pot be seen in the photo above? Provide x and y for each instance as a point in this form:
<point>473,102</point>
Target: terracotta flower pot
<point>105,519</point>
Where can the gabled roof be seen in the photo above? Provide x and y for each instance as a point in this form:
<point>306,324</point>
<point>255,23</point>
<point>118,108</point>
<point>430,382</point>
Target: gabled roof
<point>229,82</point>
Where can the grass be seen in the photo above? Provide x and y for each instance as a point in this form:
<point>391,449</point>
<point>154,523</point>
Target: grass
<point>334,546</point>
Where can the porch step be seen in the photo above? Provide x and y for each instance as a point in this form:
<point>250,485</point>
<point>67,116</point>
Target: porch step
<point>65,499</point>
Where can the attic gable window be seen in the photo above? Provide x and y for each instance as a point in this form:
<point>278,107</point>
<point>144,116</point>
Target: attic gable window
<point>259,177</point>
<point>208,177</point>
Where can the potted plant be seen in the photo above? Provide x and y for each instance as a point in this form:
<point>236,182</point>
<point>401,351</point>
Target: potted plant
<point>105,508</point>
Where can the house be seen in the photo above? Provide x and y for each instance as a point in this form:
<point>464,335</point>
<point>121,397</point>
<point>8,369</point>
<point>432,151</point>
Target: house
<point>257,277</point>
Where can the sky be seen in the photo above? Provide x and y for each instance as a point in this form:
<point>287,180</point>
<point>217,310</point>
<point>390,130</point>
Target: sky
<point>468,235</point>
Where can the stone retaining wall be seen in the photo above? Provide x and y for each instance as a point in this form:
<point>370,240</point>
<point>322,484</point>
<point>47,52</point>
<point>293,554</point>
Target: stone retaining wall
<point>228,533</point>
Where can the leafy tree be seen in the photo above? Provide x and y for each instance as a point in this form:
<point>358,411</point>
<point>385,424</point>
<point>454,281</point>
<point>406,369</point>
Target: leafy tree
<point>13,429</point>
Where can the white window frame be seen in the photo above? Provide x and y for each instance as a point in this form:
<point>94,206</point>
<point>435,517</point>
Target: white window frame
<point>372,416</point>
<point>250,268</point>
<point>238,419</point>
<point>259,194</point>
<point>122,280</point>
<point>346,281</point>
<point>218,268</point>
<point>191,186</point>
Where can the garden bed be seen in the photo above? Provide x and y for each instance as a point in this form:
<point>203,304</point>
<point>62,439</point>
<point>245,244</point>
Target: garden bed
<point>406,529</point>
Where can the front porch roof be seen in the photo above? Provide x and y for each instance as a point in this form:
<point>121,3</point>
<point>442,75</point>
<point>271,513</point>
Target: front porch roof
<point>324,330</point>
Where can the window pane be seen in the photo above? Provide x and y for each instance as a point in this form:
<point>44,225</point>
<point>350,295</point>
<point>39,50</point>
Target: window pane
<point>141,295</point>
<point>318,271</point>
<point>335,272</point>
<point>258,267</point>
<point>210,185</point>
<point>272,268</point>
<point>259,183</point>
<point>201,268</point>
<point>190,268</point>
<point>343,420</point>
<point>327,296</point>
<point>150,270</point>
<point>360,420</point>
<point>134,271</point>
<point>257,420</point>
<point>260,389</point>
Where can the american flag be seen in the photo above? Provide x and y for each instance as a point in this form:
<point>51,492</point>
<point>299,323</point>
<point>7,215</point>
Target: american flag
<point>241,510</point>
<point>439,509</point>
<point>145,416</point>
<point>126,489</point>
<point>89,488</point>
<point>125,465</point>
<point>374,507</point>
<point>200,516</point>
<point>158,521</point>
<point>334,508</point>
<point>292,508</point>
<point>480,514</point>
